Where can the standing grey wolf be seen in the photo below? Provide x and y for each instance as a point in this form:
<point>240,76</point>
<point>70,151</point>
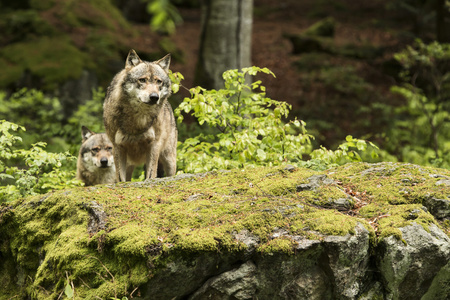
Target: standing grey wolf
<point>95,163</point>
<point>139,119</point>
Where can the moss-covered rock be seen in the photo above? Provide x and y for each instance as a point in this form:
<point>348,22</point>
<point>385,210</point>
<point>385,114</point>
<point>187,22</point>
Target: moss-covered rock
<point>51,60</point>
<point>325,27</point>
<point>406,267</point>
<point>319,38</point>
<point>52,41</point>
<point>272,229</point>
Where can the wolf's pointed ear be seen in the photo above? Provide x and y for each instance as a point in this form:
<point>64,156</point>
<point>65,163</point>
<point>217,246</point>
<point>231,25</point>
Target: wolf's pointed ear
<point>86,133</point>
<point>164,62</point>
<point>132,59</point>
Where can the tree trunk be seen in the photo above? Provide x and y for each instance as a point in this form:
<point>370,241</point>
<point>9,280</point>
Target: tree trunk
<point>443,21</point>
<point>225,40</point>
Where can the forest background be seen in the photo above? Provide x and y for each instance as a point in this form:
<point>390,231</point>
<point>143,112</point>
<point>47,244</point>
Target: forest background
<point>378,71</point>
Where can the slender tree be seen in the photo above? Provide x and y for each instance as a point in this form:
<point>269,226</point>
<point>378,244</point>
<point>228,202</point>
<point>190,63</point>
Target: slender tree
<point>225,40</point>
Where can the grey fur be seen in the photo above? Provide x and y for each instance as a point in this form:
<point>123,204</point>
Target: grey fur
<point>95,164</point>
<point>139,119</point>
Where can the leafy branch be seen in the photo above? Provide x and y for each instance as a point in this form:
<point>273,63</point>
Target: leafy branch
<point>249,129</point>
<point>426,89</point>
<point>29,172</point>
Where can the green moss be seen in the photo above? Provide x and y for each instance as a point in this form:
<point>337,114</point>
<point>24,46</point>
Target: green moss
<point>42,4</point>
<point>394,193</point>
<point>24,24</point>
<point>400,216</point>
<point>372,210</point>
<point>264,224</point>
<point>131,239</point>
<point>393,183</point>
<point>55,40</point>
<point>51,242</point>
<point>331,223</point>
<point>324,27</point>
<point>54,59</point>
<point>98,13</point>
<point>446,226</point>
<point>283,245</point>
<point>149,225</point>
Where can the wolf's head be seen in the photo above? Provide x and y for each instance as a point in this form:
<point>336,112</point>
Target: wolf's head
<point>96,150</point>
<point>147,82</point>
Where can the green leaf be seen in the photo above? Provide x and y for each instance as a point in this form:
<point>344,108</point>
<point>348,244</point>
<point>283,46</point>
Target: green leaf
<point>261,154</point>
<point>175,88</point>
<point>361,145</point>
<point>68,291</point>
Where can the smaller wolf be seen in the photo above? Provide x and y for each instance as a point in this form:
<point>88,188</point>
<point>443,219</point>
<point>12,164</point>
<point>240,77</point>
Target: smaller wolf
<point>139,119</point>
<point>95,163</point>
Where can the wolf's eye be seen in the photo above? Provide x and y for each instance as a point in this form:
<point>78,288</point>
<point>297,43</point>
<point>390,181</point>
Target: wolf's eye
<point>142,80</point>
<point>109,148</point>
<point>158,81</point>
<point>95,150</point>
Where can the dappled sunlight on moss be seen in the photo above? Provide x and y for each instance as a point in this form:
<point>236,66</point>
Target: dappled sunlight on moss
<point>283,245</point>
<point>403,215</point>
<point>397,193</point>
<point>331,223</point>
<point>393,183</point>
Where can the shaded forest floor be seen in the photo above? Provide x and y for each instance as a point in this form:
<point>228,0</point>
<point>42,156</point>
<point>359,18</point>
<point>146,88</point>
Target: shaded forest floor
<point>332,105</point>
<point>337,93</point>
<point>342,91</point>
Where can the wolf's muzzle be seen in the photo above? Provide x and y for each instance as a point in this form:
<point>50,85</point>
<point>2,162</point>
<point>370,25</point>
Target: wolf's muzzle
<point>154,97</point>
<point>104,162</point>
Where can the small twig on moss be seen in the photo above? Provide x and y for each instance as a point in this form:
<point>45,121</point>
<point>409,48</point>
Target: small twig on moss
<point>131,295</point>
<point>101,276</point>
<point>261,190</point>
<point>59,297</point>
<point>87,285</point>
<point>43,289</point>
<point>112,276</point>
<point>102,266</point>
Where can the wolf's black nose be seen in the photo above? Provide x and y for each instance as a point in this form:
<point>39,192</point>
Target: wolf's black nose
<point>104,162</point>
<point>154,97</point>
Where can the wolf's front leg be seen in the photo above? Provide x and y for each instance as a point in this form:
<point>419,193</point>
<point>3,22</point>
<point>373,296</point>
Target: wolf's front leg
<point>117,163</point>
<point>120,156</point>
<point>168,161</point>
<point>151,162</point>
<point>130,169</point>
